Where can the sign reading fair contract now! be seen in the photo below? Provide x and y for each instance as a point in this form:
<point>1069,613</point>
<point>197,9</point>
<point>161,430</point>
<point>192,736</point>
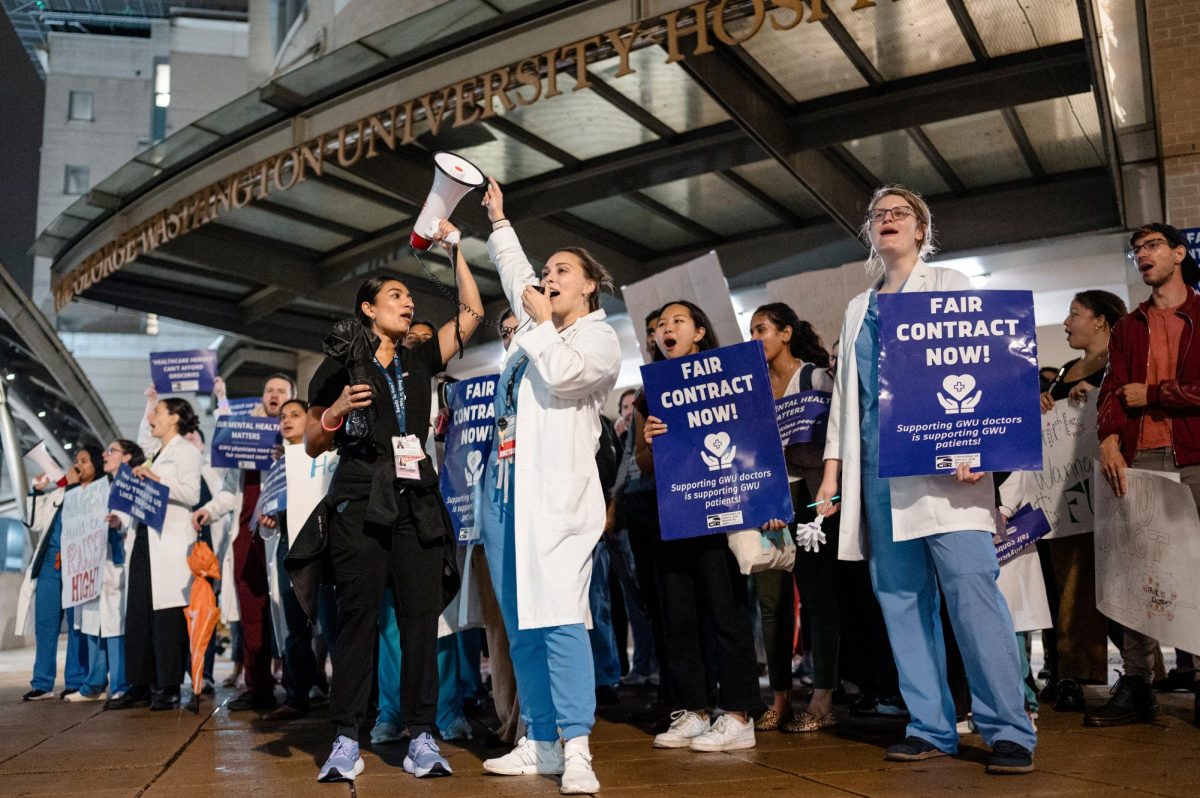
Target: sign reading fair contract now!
<point>958,383</point>
<point>719,467</point>
<point>245,442</point>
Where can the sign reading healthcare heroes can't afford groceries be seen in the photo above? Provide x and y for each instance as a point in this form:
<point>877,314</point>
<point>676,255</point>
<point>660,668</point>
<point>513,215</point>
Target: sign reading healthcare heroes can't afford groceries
<point>958,383</point>
<point>719,467</point>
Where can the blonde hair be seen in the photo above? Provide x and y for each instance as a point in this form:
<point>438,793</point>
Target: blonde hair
<point>874,264</point>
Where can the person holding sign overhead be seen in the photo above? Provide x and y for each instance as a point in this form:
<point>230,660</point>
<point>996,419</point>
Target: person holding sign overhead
<point>159,577</point>
<point>921,531</point>
<point>542,506</point>
<point>701,575</point>
<point>386,518</point>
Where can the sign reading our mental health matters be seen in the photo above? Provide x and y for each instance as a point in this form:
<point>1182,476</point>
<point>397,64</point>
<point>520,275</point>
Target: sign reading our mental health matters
<point>143,499</point>
<point>84,542</point>
<point>468,443</point>
<point>803,416</point>
<point>1147,557</point>
<point>308,480</point>
<point>719,467</point>
<point>958,383</point>
<point>245,442</point>
<point>192,371</point>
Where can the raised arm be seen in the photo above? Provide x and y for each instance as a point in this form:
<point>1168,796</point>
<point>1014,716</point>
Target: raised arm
<point>470,311</point>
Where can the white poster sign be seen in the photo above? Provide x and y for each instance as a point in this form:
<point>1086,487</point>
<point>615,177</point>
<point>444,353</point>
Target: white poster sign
<point>308,481</point>
<point>1063,489</point>
<point>84,542</point>
<point>699,281</point>
<point>1147,557</point>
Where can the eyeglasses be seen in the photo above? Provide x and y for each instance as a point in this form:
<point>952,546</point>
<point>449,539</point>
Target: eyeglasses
<point>899,214</point>
<point>113,450</point>
<point>1149,246</point>
<point>508,332</point>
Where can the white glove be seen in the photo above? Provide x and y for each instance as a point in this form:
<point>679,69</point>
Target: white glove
<point>809,536</point>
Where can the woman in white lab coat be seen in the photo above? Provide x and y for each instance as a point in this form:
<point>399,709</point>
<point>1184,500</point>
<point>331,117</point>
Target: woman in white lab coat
<point>924,531</point>
<point>543,507</point>
<point>158,574</point>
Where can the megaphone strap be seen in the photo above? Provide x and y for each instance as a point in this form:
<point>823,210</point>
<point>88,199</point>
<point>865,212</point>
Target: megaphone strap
<point>451,293</point>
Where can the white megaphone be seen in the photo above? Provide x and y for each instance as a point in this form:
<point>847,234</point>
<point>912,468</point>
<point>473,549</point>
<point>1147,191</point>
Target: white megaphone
<point>45,463</point>
<point>453,179</point>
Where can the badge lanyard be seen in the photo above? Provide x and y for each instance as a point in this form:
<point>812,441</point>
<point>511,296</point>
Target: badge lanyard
<point>507,430</point>
<point>396,388</point>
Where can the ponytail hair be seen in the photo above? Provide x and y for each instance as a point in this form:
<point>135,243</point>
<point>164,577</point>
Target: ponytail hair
<point>805,343</point>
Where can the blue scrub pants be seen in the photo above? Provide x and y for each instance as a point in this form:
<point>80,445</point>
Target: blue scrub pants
<point>605,659</point>
<point>106,666</point>
<point>553,664</point>
<point>47,620</point>
<point>905,575</point>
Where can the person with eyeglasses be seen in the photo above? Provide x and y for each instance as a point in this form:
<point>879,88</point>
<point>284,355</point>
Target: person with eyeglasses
<point>1149,418</point>
<point>921,532</point>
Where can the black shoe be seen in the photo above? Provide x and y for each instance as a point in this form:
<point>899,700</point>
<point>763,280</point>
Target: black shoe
<point>1177,680</point>
<point>893,707</point>
<point>258,702</point>
<point>606,695</point>
<point>1008,758</point>
<point>1049,694</point>
<point>164,702</point>
<point>67,692</point>
<point>1069,697</point>
<point>864,706</point>
<point>1132,701</point>
<point>128,700</point>
<point>913,749</point>
<point>38,695</point>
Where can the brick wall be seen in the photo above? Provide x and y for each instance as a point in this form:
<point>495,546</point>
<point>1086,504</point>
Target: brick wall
<point>1173,27</point>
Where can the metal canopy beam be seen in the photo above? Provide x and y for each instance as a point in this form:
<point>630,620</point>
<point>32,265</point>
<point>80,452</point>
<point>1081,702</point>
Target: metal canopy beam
<point>762,118</point>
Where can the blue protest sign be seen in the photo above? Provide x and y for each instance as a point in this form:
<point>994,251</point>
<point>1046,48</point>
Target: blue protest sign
<point>468,443</point>
<point>1026,526</point>
<point>243,407</point>
<point>274,489</point>
<point>803,416</point>
<point>245,442</point>
<point>191,371</point>
<point>719,467</point>
<point>958,383</point>
<point>143,499</point>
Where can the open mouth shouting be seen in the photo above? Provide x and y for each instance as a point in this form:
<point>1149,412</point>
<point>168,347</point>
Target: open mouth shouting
<point>669,342</point>
<point>888,230</point>
<point>550,293</point>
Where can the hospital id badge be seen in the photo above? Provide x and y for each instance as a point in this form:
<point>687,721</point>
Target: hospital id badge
<point>408,455</point>
<point>508,438</point>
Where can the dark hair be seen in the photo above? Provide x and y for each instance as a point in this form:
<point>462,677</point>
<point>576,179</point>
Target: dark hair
<point>1188,268</point>
<point>96,454</point>
<point>1102,303</point>
<point>423,323</point>
<point>594,271</point>
<point>303,404</point>
<point>624,393</point>
<point>654,314</point>
<point>281,376</point>
<point>136,455</point>
<point>700,319</point>
<point>367,293</point>
<point>805,344</point>
<point>188,421</point>
<point>508,313</point>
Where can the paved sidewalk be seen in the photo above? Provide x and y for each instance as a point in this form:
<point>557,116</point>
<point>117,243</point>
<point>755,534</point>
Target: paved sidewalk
<point>55,748</point>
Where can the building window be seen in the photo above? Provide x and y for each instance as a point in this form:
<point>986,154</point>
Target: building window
<point>162,100</point>
<point>76,180</point>
<point>81,107</point>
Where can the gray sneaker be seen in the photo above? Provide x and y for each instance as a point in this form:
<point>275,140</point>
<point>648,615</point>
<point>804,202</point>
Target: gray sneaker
<point>424,760</point>
<point>344,763</point>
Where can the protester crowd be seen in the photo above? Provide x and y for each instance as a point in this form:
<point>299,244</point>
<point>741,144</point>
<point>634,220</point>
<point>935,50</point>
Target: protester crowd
<point>887,597</point>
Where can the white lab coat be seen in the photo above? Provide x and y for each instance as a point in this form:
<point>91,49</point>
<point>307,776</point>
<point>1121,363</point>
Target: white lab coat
<point>921,506</point>
<point>223,525</point>
<point>44,509</point>
<point>1024,589</point>
<point>177,466</point>
<point>105,615</point>
<point>559,503</point>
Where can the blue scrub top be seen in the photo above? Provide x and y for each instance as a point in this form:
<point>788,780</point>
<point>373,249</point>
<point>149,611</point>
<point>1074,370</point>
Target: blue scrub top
<point>866,355</point>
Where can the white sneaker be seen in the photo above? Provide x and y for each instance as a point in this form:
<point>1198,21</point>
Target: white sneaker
<point>80,697</point>
<point>459,729</point>
<point>685,726</point>
<point>578,776</point>
<point>727,734</point>
<point>529,758</point>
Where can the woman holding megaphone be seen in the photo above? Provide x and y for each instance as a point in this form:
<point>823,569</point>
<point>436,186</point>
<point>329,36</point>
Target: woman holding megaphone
<point>542,506</point>
<point>386,518</point>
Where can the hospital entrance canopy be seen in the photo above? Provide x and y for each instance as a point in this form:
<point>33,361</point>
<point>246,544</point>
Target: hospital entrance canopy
<point>625,127</point>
